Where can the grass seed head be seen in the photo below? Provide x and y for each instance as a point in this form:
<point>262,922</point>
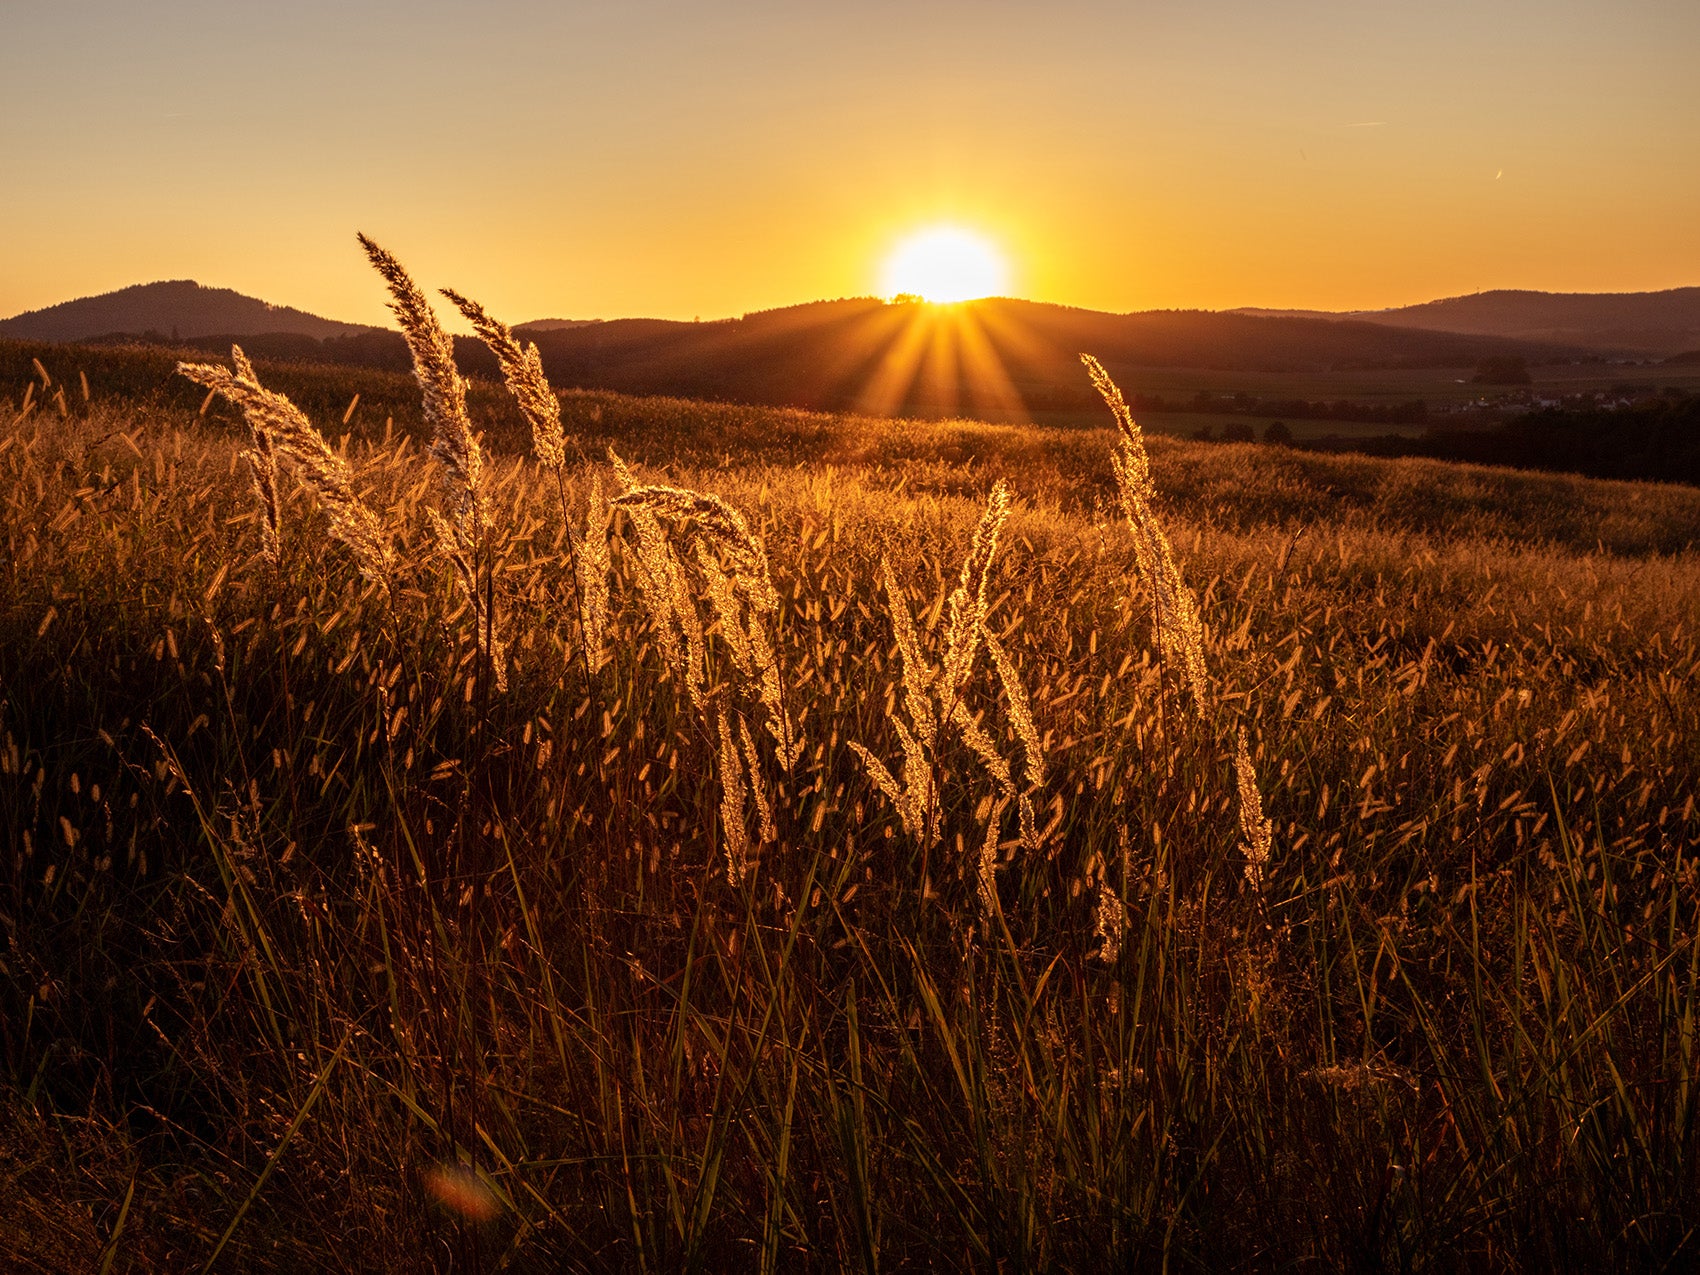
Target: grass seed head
<point>1175,619</point>
<point>442,389</point>
<point>1109,922</point>
<point>968,600</point>
<point>985,877</point>
<point>522,370</point>
<point>1257,830</point>
<point>732,825</point>
<point>288,433</point>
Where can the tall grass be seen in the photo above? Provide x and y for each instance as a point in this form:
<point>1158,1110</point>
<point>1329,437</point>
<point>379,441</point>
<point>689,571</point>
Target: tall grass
<point>316,956</point>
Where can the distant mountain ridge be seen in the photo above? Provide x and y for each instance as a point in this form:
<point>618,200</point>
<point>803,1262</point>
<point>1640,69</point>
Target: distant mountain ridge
<point>179,308</point>
<point>987,357</point>
<point>1648,323</point>
<point>864,354</point>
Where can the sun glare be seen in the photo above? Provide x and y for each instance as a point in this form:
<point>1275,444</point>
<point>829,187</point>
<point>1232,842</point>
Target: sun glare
<point>945,263</point>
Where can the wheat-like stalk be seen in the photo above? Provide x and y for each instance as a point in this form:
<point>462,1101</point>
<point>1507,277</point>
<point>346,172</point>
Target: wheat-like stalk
<point>1109,921</point>
<point>1257,830</point>
<point>454,547</point>
<point>757,790</point>
<point>911,797</point>
<point>262,474</point>
<point>787,733</point>
<point>593,568</point>
<point>981,745</point>
<point>918,674</point>
<point>736,834</point>
<point>262,467</point>
<point>661,583</point>
<point>914,799</point>
<point>728,610</point>
<point>933,696</point>
<point>968,599</point>
<point>985,878</point>
<point>291,435</point>
<point>522,370</point>
<point>1179,631</point>
<point>751,580</point>
<point>1020,714</point>
<point>724,525</point>
<point>444,394</point>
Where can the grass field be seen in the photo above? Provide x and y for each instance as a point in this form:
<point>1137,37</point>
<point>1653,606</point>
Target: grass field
<point>323,952</point>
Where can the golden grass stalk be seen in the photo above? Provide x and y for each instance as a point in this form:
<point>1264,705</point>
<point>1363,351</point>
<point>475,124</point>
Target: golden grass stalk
<point>914,799</point>
<point>728,610</point>
<point>751,582</point>
<point>1257,830</point>
<point>980,743</point>
<point>724,525</point>
<point>262,473</point>
<point>919,676</point>
<point>968,599</point>
<point>661,582</point>
<point>455,548</point>
<point>763,810</point>
<point>262,468</point>
<point>1109,922</point>
<point>1020,714</point>
<point>932,697</point>
<point>593,568</point>
<point>289,434</point>
<point>985,878</point>
<point>522,370</point>
<point>737,836</point>
<point>1175,619</point>
<point>910,798</point>
<point>787,734</point>
<point>444,394</point>
<point>1029,824</point>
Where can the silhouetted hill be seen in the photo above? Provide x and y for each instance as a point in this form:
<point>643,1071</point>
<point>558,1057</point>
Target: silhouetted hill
<point>180,308</point>
<point>550,325</point>
<point>990,358</point>
<point>864,354</point>
<point>1654,323</point>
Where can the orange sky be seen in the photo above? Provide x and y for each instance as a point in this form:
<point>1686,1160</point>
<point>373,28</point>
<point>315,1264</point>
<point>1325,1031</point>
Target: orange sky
<point>667,159</point>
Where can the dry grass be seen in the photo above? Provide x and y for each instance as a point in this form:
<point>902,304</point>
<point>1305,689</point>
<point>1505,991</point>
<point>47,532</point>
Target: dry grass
<point>329,955</point>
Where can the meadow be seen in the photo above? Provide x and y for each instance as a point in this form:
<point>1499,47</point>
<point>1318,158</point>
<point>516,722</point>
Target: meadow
<point>383,904</point>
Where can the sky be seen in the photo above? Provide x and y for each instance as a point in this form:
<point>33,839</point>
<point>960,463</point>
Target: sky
<point>676,160</point>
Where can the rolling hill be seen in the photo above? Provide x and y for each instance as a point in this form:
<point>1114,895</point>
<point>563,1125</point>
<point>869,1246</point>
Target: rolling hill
<point>179,308</point>
<point>986,358</point>
<point>1647,323</point>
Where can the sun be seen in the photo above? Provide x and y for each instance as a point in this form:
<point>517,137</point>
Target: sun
<point>945,263</point>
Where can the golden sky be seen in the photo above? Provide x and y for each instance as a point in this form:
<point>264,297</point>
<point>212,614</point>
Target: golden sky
<point>674,160</point>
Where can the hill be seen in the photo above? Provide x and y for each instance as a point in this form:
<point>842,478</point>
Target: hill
<point>986,357</point>
<point>1649,323</point>
<point>180,308</point>
<point>995,357</point>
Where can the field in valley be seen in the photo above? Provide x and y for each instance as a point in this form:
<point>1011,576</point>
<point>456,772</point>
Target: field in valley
<point>324,951</point>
